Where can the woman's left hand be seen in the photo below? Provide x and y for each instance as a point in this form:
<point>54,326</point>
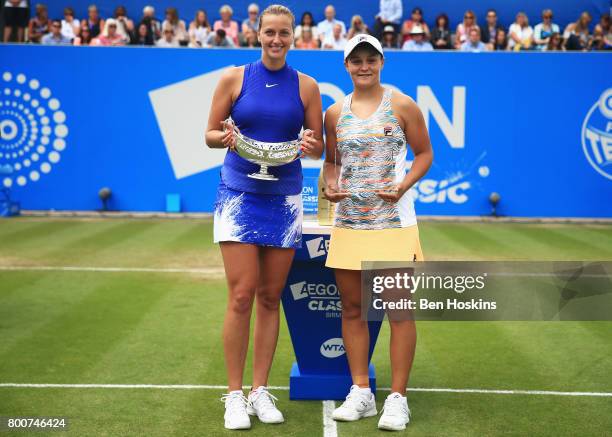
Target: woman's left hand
<point>308,144</point>
<point>392,194</point>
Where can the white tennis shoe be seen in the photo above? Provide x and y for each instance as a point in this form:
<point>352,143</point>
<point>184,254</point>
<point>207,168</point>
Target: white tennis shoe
<point>359,403</point>
<point>236,416</point>
<point>395,413</point>
<point>261,404</point>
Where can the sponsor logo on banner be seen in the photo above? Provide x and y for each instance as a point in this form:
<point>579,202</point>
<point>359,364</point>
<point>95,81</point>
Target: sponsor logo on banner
<point>453,189</point>
<point>333,348</point>
<point>597,135</point>
<point>33,129</point>
<point>321,297</point>
<point>317,247</point>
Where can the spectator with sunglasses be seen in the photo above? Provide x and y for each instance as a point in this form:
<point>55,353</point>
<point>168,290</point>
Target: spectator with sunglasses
<point>463,29</point>
<point>55,37</point>
<point>111,36</point>
<point>544,30</point>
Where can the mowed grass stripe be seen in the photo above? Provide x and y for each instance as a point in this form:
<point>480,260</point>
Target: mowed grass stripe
<point>25,233</point>
<point>102,244</point>
<point>569,244</point>
<point>70,343</point>
<point>177,340</point>
<point>29,301</point>
<point>476,242</point>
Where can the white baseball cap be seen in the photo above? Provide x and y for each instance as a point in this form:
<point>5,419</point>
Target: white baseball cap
<point>362,39</point>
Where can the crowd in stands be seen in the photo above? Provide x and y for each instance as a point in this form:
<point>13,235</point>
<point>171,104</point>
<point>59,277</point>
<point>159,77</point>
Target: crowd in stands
<point>414,34</point>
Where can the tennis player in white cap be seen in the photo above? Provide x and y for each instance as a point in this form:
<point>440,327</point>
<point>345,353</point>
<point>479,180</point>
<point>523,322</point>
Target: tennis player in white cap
<point>365,173</point>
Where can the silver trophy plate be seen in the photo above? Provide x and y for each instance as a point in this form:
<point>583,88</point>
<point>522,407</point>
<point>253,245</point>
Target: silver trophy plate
<point>265,154</point>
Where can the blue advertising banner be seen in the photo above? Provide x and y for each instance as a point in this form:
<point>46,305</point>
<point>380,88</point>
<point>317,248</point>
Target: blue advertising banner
<point>534,127</point>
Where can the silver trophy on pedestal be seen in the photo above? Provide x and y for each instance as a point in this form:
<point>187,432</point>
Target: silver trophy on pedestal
<point>265,154</point>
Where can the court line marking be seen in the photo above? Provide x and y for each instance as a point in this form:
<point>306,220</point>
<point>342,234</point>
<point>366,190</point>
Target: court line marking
<point>209,270</point>
<point>220,270</point>
<point>282,387</point>
<point>329,424</point>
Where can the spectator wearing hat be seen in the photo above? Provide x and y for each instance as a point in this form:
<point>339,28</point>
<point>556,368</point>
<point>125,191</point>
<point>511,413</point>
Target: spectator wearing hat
<point>390,14</point>
<point>220,39</point>
<point>417,42</point>
<point>55,37</point>
<point>389,38</point>
<point>473,44</point>
<point>416,19</point>
<point>440,34</point>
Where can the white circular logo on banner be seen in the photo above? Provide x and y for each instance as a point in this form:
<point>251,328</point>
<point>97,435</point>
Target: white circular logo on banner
<point>33,129</point>
<point>597,135</point>
<point>332,348</point>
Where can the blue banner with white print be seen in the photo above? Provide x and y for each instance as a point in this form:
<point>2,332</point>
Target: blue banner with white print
<point>536,128</point>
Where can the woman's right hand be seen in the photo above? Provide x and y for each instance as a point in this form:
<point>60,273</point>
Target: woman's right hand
<point>229,138</point>
<point>333,194</point>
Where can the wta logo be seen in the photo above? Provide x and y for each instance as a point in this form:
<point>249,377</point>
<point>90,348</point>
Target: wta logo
<point>332,348</point>
<point>597,135</point>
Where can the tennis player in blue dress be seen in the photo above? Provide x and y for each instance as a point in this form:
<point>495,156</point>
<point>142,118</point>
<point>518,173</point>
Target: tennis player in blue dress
<point>258,223</point>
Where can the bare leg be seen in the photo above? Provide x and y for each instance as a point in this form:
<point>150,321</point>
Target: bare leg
<point>354,330</point>
<point>7,33</point>
<point>241,268</point>
<point>20,34</point>
<point>274,267</point>
<point>403,344</point>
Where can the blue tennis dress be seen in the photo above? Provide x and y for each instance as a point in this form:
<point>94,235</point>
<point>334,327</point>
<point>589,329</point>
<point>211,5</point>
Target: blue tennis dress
<point>265,213</point>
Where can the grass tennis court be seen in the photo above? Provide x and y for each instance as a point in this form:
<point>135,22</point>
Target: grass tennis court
<point>162,327</point>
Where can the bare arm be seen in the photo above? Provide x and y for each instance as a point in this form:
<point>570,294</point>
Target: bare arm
<point>332,165</point>
<point>417,136</point>
<point>312,142</point>
<point>221,107</point>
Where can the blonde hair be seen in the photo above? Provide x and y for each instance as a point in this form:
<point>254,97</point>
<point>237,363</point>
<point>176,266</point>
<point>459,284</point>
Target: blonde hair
<point>277,10</point>
<point>355,18</point>
<point>226,8</point>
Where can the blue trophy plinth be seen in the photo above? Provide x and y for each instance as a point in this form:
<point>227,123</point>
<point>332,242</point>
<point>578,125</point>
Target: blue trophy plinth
<point>311,303</point>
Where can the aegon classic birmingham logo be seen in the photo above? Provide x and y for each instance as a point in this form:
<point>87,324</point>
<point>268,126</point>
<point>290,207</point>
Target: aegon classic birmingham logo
<point>597,135</point>
<point>33,129</point>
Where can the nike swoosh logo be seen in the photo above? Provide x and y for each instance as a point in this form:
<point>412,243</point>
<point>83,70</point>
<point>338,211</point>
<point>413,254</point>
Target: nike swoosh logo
<point>270,86</point>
